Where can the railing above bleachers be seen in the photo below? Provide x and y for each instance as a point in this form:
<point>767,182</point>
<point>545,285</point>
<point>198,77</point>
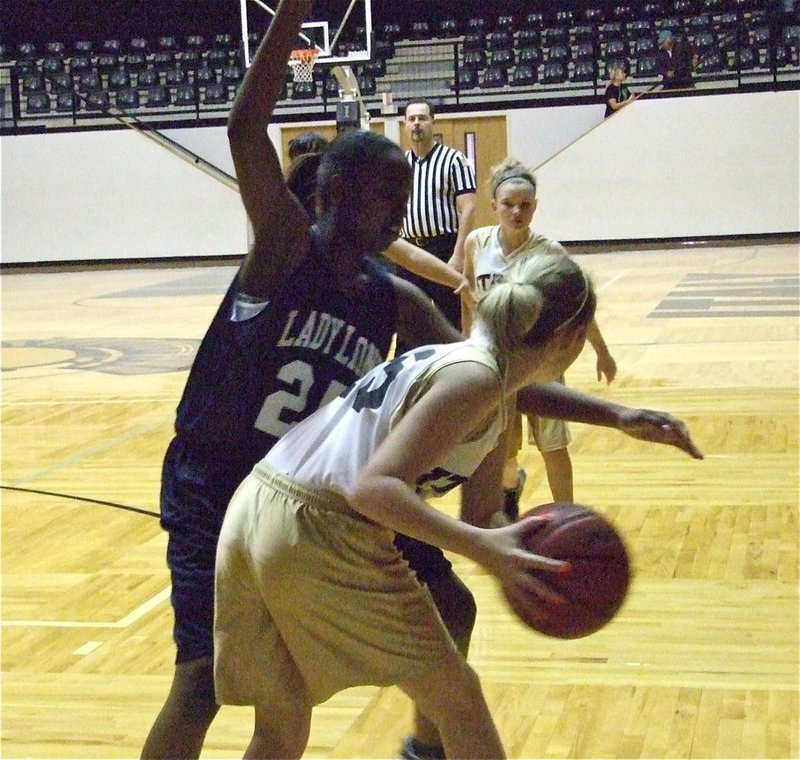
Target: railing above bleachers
<point>500,62</point>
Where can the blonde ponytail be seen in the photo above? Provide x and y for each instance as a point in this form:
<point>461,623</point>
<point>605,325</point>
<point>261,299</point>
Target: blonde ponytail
<point>541,295</point>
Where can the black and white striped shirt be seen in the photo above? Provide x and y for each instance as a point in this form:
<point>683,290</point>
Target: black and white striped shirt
<point>439,179</point>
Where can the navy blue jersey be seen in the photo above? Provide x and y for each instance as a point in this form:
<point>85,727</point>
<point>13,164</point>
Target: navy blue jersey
<point>253,379</point>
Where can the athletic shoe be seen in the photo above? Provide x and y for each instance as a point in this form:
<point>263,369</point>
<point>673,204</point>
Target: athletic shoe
<point>513,495</point>
<point>413,750</point>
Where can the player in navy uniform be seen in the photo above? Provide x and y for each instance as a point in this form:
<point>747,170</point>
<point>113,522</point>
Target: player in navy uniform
<point>304,316</point>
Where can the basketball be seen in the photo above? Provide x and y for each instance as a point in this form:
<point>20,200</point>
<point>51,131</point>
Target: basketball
<point>596,586</point>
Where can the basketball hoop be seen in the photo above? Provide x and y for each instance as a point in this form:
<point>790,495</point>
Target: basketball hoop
<point>302,63</point>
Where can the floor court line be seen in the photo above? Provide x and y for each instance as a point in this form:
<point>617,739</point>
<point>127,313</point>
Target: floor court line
<point>136,614</point>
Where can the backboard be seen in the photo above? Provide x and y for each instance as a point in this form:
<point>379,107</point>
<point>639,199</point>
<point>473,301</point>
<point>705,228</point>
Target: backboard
<point>341,30</point>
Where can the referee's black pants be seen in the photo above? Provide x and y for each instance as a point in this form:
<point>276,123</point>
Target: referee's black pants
<point>448,302</point>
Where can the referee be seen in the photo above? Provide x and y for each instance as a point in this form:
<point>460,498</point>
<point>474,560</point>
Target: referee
<point>441,206</point>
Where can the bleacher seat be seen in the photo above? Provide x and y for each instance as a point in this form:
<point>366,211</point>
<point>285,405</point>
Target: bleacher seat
<point>107,62</point>
<point>26,51</point>
<point>584,71</point>
<point>80,64</point>
<point>554,35</point>
<point>148,78</point>
<point>157,97</point>
<point>583,51</point>
<point>524,75</point>
<point>367,84</point>
<point>196,42</point>
<point>653,9</point>
<point>89,81</point>
<point>473,41</point>
<point>704,41</point>
<point>559,52</point>
<point>532,55</point>
<point>500,40</point>
<point>420,30</point>
<point>205,75</point>
<point>506,22</point>
<point>139,45</point>
<point>55,48</point>
<point>217,58</point>
<point>533,20</point>
<point>467,78</point>
<point>83,47</point>
<point>644,45</point>
<point>494,76</point>
<point>616,48</point>
<point>60,82</point>
<point>128,98</point>
<point>594,14</point>
<point>111,46</point>
<point>330,86</point>
<point>584,33</point>
<point>683,7</point>
<point>97,100</point>
<point>231,74</point>
<point>33,82</point>
<point>167,42</point>
<point>448,27</point>
<point>119,79</point>
<point>68,101</point>
<point>477,24</point>
<point>37,103</point>
<point>791,35</point>
<point>215,94</point>
<point>503,58</point>
<point>745,58</point>
<point>554,72</point>
<point>176,76</point>
<point>135,61</point>
<point>304,91</point>
<point>185,95</point>
<point>528,37</point>
<point>164,59</point>
<point>646,66</point>
<point>711,62</point>
<point>623,13</point>
<point>475,59</point>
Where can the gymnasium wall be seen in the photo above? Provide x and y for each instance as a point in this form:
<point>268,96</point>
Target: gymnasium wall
<point>663,168</point>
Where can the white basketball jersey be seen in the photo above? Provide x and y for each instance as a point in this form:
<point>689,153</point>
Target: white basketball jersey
<point>330,448</point>
<point>490,264</point>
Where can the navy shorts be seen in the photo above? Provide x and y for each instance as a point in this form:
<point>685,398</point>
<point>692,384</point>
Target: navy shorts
<point>428,562</point>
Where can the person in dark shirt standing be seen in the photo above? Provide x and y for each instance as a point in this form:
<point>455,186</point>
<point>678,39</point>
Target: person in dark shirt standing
<point>441,207</point>
<point>677,60</point>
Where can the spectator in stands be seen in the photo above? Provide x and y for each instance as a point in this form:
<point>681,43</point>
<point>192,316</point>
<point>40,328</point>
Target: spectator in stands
<point>617,93</point>
<point>677,60</point>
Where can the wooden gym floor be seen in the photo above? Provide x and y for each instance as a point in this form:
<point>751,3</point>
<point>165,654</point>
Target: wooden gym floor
<point>702,662</point>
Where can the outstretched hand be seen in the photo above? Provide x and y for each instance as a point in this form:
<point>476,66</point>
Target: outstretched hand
<point>658,427</point>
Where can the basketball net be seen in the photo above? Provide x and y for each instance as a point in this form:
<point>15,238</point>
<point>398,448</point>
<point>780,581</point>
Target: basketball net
<point>302,63</point>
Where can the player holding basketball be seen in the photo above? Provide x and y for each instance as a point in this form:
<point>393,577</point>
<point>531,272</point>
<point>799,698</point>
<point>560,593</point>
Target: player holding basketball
<point>304,317</point>
<point>489,253</point>
<point>320,512</point>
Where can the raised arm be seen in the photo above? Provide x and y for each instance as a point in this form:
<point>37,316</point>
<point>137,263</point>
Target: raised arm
<point>419,322</point>
<point>424,264</point>
<point>559,402</point>
<point>280,224</point>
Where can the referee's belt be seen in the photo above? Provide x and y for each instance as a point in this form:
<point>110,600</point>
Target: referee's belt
<point>423,242</point>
